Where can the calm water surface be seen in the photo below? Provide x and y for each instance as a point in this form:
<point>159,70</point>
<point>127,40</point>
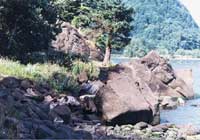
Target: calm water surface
<point>185,114</point>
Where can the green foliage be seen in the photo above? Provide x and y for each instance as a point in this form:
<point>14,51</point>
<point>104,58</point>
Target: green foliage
<point>63,83</point>
<point>195,53</point>
<point>163,24</point>
<point>90,68</point>
<point>67,9</point>
<point>25,26</point>
<point>102,18</point>
<point>137,48</point>
<point>54,75</point>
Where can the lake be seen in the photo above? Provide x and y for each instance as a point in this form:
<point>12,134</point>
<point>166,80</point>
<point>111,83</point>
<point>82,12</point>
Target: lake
<point>187,114</point>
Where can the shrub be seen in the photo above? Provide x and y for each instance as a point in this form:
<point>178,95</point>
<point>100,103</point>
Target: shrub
<point>91,70</point>
<point>62,82</point>
<point>54,75</point>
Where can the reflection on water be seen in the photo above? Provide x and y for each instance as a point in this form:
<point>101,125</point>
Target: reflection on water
<point>187,114</point>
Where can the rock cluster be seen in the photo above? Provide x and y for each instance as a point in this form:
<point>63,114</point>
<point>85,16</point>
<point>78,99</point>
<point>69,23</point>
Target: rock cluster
<point>70,41</point>
<point>142,131</point>
<point>31,111</point>
<point>133,91</point>
<point>124,105</point>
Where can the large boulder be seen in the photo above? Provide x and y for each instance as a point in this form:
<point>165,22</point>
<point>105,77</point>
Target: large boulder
<point>70,41</point>
<point>164,80</point>
<point>132,90</point>
<point>126,99</point>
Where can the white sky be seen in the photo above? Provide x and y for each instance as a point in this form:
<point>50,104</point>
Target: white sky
<point>194,7</point>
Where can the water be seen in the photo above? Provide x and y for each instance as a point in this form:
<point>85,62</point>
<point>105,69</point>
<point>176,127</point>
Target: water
<point>187,114</point>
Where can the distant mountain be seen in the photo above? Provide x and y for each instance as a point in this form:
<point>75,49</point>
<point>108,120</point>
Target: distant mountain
<point>193,8</point>
<point>163,25</point>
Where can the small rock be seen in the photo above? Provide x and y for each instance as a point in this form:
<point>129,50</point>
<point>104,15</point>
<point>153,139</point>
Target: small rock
<point>11,82</point>
<point>63,111</point>
<point>72,101</point>
<point>160,128</point>
<point>92,87</point>
<point>141,125</point>
<point>25,84</point>
<point>32,94</point>
<point>48,99</point>
<point>195,105</point>
<point>44,132</point>
<point>181,102</point>
<point>169,102</point>
<point>88,103</point>
<point>4,93</point>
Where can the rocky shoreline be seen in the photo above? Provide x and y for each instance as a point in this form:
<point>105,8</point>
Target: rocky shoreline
<point>124,103</point>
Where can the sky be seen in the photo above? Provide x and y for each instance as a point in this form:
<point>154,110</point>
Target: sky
<point>194,7</point>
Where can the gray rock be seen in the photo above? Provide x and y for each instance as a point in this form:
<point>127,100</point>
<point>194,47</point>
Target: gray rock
<point>11,82</point>
<point>4,93</point>
<point>72,101</point>
<point>141,125</point>
<point>168,102</point>
<point>160,128</point>
<point>34,95</point>
<point>63,112</point>
<point>92,87</point>
<point>25,84</point>
<point>43,132</point>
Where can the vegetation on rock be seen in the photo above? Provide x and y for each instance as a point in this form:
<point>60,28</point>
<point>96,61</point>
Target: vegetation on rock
<point>105,22</point>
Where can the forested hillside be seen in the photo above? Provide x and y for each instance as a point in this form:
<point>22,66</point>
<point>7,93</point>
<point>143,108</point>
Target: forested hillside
<point>164,25</point>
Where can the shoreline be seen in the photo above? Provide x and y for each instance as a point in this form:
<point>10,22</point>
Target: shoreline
<point>135,58</point>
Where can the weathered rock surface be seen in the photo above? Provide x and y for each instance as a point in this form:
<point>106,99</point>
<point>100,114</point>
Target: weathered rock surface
<point>132,90</point>
<point>70,41</point>
<point>164,80</point>
<point>186,75</point>
<point>126,99</point>
<point>27,112</point>
<point>168,102</point>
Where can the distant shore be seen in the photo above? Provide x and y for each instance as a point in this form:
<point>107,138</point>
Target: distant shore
<point>117,56</point>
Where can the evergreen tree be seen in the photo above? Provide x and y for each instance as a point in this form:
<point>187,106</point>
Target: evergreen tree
<point>106,22</point>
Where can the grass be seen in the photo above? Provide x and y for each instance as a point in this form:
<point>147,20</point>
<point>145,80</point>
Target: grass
<point>90,68</point>
<point>56,76</point>
<point>59,78</point>
<point>34,72</point>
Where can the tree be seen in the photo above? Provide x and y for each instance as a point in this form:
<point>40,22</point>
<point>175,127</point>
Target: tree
<point>25,26</point>
<point>106,22</point>
<point>137,48</point>
<point>67,9</point>
<point>113,20</point>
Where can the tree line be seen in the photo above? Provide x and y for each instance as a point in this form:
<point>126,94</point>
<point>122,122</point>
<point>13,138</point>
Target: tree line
<point>162,25</point>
